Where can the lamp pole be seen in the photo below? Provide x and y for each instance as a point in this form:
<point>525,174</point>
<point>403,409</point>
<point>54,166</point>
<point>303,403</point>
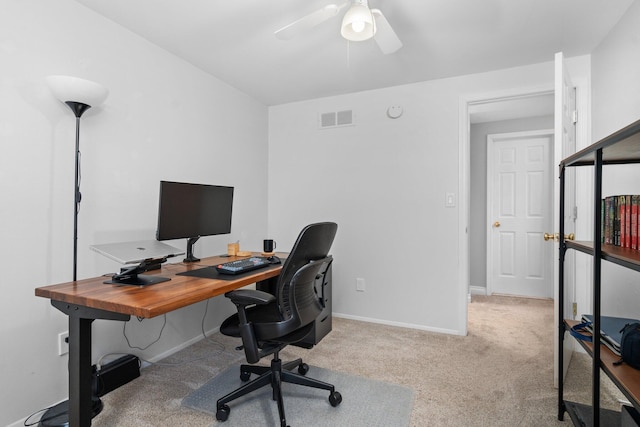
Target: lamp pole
<point>79,95</point>
<point>78,109</point>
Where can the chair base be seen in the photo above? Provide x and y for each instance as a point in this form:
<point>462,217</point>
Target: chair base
<point>274,375</point>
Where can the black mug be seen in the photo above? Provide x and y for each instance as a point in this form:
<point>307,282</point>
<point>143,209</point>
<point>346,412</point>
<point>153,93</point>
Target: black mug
<point>269,245</point>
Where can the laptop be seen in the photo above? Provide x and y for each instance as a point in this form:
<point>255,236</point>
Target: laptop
<point>610,330</point>
<point>136,252</point>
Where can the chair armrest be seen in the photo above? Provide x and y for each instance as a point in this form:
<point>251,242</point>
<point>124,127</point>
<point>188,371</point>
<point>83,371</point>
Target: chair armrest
<point>244,297</point>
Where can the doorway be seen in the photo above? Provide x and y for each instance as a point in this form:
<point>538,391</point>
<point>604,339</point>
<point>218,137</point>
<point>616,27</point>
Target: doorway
<point>512,113</point>
<point>507,109</point>
<point>565,118</point>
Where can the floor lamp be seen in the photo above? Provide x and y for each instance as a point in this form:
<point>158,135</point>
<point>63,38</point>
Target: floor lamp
<point>79,95</point>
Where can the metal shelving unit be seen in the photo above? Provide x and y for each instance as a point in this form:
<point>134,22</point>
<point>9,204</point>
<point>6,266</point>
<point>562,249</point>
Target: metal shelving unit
<point>622,147</point>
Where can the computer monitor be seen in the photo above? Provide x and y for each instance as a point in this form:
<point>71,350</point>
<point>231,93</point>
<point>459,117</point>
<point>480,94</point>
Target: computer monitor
<point>193,210</point>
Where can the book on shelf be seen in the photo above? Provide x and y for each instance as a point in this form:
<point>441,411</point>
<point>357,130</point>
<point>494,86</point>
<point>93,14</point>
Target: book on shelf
<point>624,208</point>
<point>619,221</point>
<point>627,221</point>
<point>635,201</point>
<point>609,208</point>
<point>621,239</point>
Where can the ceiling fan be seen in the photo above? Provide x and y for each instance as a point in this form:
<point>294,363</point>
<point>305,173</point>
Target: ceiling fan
<point>359,23</point>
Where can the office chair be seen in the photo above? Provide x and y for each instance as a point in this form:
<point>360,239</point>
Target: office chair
<point>267,323</point>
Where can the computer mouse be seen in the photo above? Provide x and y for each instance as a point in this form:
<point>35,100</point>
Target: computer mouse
<point>274,260</point>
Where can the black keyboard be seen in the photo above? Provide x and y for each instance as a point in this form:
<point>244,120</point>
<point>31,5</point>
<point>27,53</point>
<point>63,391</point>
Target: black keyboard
<point>243,265</point>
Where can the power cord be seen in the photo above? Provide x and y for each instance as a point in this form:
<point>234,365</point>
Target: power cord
<point>140,319</point>
<point>28,424</point>
<point>220,350</point>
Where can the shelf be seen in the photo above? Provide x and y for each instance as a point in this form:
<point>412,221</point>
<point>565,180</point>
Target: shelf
<point>629,258</point>
<point>618,148</point>
<point>582,415</point>
<point>626,378</point>
<point>621,147</point>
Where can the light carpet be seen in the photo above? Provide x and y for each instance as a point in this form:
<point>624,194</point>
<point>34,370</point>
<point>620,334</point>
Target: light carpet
<point>366,402</point>
<point>501,374</point>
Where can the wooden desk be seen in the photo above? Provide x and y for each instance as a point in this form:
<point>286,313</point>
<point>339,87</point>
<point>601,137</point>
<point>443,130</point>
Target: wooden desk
<point>86,300</point>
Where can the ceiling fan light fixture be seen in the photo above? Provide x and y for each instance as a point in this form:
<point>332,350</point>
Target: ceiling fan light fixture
<point>358,23</point>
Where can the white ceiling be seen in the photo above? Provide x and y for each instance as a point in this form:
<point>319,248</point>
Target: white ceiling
<point>234,41</point>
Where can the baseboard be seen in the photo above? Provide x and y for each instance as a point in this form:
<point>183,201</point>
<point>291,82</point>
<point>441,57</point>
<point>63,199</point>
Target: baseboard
<point>477,290</point>
<point>398,324</point>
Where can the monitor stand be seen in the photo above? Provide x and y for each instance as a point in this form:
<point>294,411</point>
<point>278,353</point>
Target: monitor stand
<point>132,276</point>
<point>190,257</point>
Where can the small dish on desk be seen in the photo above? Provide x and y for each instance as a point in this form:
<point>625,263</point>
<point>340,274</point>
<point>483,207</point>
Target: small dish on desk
<point>268,254</point>
<point>244,253</point>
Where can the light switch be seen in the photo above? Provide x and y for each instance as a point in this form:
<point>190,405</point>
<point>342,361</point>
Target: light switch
<point>450,200</point>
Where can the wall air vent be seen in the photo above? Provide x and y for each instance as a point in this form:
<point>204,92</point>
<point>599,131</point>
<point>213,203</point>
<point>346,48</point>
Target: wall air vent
<point>327,120</point>
<point>336,119</point>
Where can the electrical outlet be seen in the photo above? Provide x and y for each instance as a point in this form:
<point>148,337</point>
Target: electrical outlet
<point>63,343</point>
<point>360,284</point>
<point>575,309</point>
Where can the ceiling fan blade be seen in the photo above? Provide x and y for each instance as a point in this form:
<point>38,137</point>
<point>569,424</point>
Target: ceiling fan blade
<point>387,40</point>
<point>309,21</point>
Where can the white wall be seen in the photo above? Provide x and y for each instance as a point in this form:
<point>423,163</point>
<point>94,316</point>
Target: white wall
<point>384,182</point>
<point>615,65</point>
<point>164,119</point>
<point>615,70</point>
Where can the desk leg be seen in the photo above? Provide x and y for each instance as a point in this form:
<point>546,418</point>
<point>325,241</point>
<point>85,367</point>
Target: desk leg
<point>80,375</point>
<point>80,371</point>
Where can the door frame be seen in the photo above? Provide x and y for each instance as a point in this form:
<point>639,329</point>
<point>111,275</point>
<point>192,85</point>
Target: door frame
<point>464,183</point>
<point>490,170</point>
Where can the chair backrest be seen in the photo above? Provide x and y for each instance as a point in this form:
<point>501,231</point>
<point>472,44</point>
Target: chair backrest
<point>295,292</point>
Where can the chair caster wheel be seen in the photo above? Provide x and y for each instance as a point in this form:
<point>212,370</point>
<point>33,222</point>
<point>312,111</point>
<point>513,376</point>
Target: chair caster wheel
<point>303,368</point>
<point>335,399</point>
<point>244,376</point>
<point>223,413</point>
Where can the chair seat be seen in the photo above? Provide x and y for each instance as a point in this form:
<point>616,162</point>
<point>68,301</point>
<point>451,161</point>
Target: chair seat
<point>263,314</point>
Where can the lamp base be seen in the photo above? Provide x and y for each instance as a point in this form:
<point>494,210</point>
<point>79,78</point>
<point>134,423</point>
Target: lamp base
<point>58,415</point>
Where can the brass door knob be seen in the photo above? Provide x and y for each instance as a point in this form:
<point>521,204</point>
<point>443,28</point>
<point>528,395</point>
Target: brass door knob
<point>556,236</point>
<point>496,224</point>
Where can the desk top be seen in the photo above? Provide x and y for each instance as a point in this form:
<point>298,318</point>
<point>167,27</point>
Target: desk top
<point>157,299</point>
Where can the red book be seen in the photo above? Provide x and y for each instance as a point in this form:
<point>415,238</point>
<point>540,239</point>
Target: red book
<point>635,201</point>
<point>627,221</point>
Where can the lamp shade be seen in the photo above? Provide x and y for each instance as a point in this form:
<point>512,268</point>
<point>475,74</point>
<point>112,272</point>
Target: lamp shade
<point>75,89</point>
<point>358,24</point>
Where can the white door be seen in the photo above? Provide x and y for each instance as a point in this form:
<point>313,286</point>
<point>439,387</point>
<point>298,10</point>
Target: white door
<point>565,132</point>
<point>519,190</point>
